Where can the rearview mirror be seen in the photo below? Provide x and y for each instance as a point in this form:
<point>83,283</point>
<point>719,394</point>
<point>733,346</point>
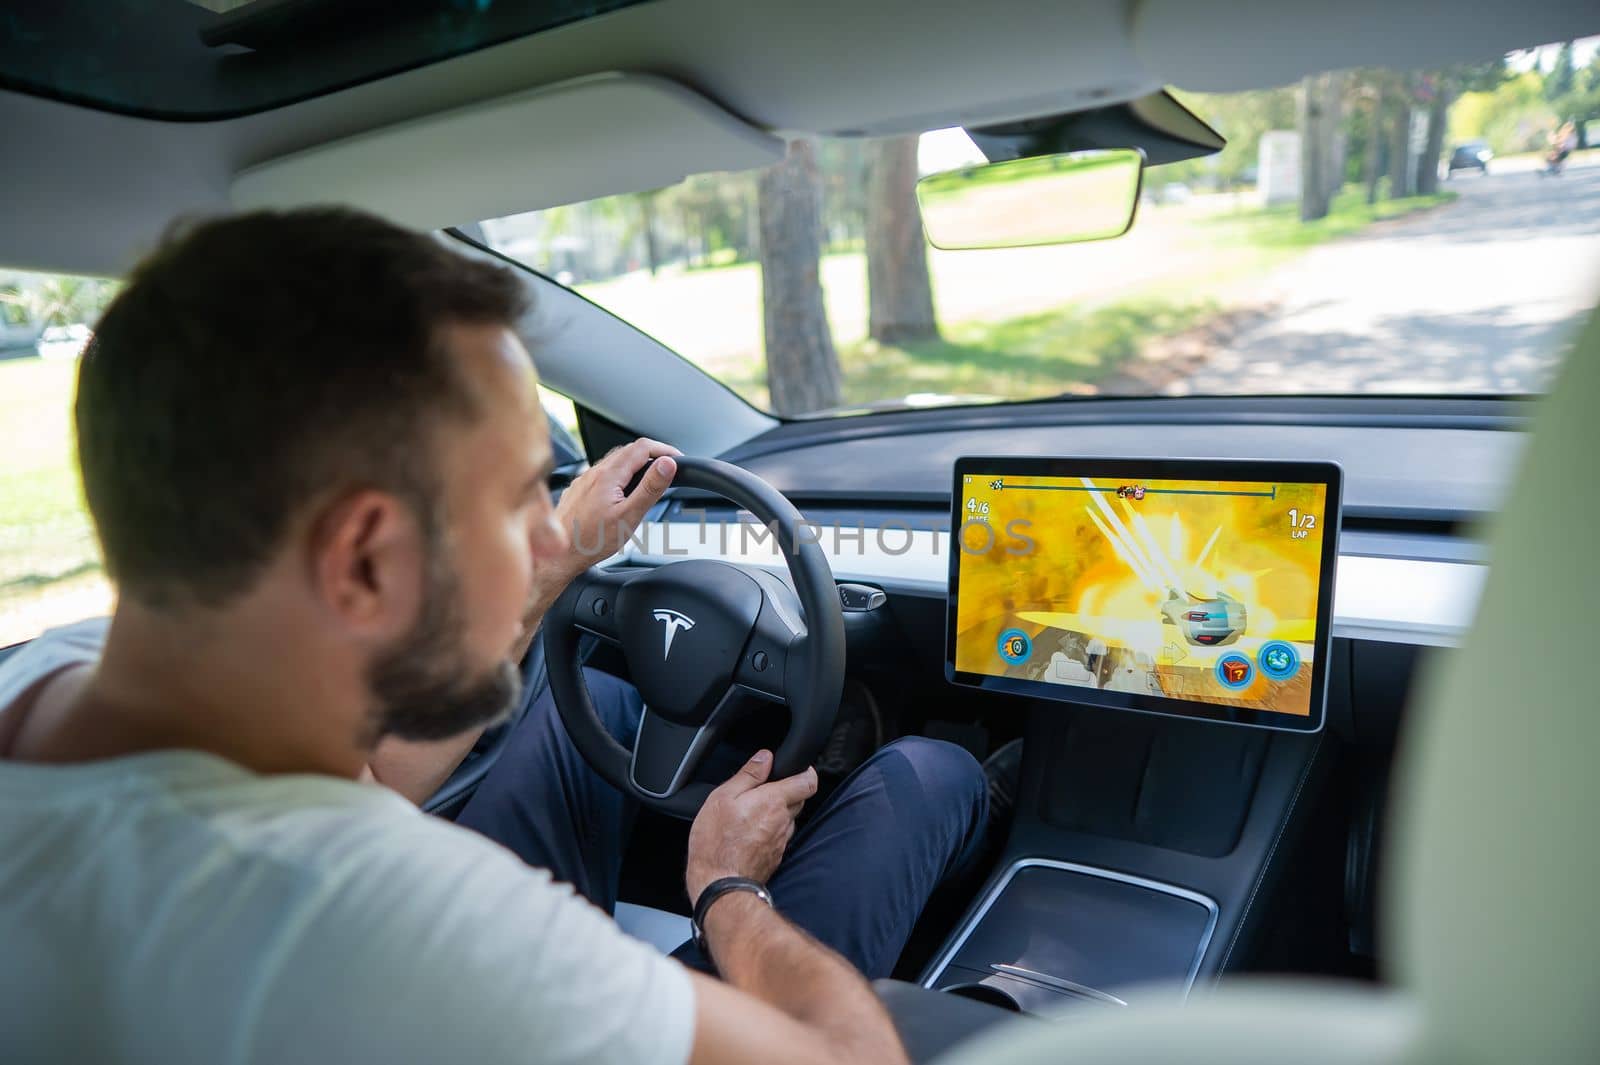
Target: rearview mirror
<point>1047,199</point>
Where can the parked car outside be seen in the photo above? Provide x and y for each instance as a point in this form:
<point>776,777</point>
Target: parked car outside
<point>1473,155</point>
<point>62,341</point>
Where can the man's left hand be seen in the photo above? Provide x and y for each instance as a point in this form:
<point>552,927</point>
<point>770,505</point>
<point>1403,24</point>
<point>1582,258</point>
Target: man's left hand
<point>596,511</point>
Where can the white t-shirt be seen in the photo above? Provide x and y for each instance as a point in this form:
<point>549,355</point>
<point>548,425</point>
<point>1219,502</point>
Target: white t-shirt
<point>172,907</point>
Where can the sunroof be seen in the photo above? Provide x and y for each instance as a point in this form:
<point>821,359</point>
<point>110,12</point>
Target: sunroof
<point>194,60</point>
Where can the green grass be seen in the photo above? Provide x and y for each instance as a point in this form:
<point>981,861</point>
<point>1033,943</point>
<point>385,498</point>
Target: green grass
<point>1280,228</point>
<point>1031,356</point>
<point>1034,355</point>
<point>45,530</point>
<point>46,539</point>
<point>1017,170</point>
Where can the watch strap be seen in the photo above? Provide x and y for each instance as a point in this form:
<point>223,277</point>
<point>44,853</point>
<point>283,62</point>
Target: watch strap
<point>714,891</point>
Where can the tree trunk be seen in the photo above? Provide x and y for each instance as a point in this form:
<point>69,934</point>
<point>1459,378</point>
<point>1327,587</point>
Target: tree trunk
<point>647,225</point>
<point>1333,116</point>
<point>1313,148</point>
<point>1400,145</point>
<point>802,366</point>
<point>1428,165</point>
<point>692,239</point>
<point>750,216</point>
<point>900,293</point>
<point>1374,144</point>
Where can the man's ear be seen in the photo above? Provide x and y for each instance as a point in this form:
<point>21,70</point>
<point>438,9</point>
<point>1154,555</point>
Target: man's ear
<point>368,562</point>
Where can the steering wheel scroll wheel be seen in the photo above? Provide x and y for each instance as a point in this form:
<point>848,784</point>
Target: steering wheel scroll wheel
<point>704,641</point>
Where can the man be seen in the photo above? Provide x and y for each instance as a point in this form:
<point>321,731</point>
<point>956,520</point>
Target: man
<point>315,456</point>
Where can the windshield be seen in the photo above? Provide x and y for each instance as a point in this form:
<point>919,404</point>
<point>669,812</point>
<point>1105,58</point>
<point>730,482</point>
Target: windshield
<point>1373,231</point>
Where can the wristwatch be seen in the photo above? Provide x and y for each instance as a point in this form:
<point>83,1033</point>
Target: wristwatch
<point>714,891</point>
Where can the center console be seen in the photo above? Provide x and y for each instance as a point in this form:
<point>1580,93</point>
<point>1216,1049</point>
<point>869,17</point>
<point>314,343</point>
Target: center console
<point>1141,856</point>
<point>1145,610</point>
<point>1050,933</point>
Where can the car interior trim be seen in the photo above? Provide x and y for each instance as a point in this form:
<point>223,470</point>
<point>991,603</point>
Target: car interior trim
<point>691,756</point>
<point>1071,987</point>
<point>1493,413</point>
<point>942,960</point>
<point>1202,46</point>
<point>1392,474</point>
<point>1266,866</point>
<point>516,153</point>
<point>1389,600</point>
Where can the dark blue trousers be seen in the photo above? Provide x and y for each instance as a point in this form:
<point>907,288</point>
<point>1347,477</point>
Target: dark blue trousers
<point>856,875</point>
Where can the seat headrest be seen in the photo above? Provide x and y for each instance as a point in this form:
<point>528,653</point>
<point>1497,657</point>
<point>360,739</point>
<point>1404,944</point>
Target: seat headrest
<point>1495,913</point>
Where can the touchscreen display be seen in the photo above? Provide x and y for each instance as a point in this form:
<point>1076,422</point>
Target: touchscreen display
<point>1126,585</point>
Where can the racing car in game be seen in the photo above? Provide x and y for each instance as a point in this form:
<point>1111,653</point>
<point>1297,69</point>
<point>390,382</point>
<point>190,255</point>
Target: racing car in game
<point>1207,621</point>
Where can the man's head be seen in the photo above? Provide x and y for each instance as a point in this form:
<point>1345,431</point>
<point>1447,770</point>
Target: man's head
<point>318,409</point>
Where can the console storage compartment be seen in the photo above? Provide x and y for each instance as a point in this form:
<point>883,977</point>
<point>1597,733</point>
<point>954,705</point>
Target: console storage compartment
<point>1050,933</point>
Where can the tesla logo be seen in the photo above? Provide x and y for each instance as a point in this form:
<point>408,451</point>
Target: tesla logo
<point>674,621</point>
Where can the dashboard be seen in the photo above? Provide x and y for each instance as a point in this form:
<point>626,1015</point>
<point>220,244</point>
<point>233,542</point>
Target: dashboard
<point>1421,476</point>
<point>1421,479</point>
<point>1406,461</point>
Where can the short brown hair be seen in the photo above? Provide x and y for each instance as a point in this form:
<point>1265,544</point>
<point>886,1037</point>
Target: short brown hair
<point>256,362</point>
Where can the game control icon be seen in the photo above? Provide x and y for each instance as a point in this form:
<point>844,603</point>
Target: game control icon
<point>1015,647</point>
<point>1278,660</point>
<point>1234,671</point>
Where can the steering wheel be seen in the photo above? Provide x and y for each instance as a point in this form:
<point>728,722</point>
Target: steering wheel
<point>704,641</point>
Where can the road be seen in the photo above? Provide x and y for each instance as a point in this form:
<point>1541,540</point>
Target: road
<point>1481,295</point>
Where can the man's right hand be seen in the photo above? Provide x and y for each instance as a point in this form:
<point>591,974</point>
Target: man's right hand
<point>784,998</point>
<point>745,825</point>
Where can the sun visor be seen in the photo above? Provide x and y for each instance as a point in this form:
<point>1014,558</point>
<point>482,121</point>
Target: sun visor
<point>576,140</point>
<point>1232,45</point>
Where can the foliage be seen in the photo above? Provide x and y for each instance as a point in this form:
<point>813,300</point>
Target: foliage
<point>1563,76</point>
<point>1518,113</point>
<point>56,300</point>
<point>1475,77</point>
<point>1580,102</point>
<point>1241,117</point>
<point>844,165</point>
<point>13,306</point>
<point>1515,117</point>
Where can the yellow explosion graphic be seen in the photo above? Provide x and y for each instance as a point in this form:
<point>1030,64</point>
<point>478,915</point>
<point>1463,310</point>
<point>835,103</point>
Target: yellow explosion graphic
<point>1117,570</point>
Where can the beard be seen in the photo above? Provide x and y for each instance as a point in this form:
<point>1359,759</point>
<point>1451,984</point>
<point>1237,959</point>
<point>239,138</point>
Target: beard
<point>424,687</point>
